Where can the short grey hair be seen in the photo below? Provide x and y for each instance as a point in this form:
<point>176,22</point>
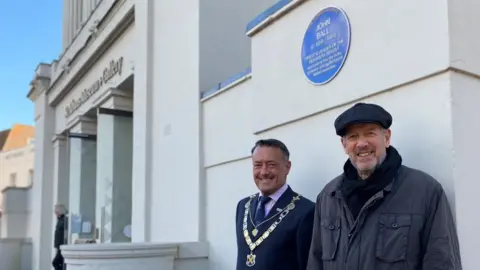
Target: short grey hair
<point>61,208</point>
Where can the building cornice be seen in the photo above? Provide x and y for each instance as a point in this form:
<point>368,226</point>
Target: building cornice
<point>40,82</point>
<point>125,22</point>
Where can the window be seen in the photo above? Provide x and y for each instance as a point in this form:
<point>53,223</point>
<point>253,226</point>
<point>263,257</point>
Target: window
<point>13,179</point>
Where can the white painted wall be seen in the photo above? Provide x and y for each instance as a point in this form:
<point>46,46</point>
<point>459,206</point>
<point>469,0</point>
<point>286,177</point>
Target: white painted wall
<point>175,117</point>
<point>465,97</point>
<point>19,162</point>
<point>227,121</point>
<point>382,56</point>
<point>16,216</point>
<point>463,44</point>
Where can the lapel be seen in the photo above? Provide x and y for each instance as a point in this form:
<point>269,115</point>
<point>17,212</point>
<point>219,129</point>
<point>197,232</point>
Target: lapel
<point>282,202</point>
<point>254,205</point>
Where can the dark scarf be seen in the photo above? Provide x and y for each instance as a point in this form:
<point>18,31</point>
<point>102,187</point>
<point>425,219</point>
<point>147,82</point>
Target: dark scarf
<point>357,191</point>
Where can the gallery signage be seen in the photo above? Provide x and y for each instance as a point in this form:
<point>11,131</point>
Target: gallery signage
<point>325,45</point>
<point>114,69</point>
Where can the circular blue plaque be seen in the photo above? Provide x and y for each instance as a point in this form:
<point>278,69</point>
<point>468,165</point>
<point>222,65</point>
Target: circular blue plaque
<point>325,45</point>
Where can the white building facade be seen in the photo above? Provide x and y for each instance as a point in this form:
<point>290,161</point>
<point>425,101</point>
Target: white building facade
<point>146,160</point>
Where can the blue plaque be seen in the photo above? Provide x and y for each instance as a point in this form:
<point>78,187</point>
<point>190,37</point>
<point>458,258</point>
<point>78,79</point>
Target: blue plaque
<point>325,45</point>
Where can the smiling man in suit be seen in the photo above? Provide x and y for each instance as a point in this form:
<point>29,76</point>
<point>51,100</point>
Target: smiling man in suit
<point>274,226</point>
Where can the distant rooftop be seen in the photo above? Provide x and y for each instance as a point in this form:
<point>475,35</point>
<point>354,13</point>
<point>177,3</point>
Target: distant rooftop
<point>17,137</point>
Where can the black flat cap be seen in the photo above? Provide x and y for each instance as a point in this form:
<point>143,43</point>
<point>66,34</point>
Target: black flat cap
<point>362,113</point>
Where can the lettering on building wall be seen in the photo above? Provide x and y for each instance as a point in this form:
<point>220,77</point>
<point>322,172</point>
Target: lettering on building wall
<point>114,69</point>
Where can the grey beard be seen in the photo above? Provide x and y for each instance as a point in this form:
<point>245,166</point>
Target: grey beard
<point>364,174</point>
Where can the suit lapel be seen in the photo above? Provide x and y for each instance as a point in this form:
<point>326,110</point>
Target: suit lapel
<point>254,205</point>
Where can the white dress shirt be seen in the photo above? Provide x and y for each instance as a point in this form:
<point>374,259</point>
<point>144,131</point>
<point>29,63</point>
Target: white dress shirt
<point>274,198</point>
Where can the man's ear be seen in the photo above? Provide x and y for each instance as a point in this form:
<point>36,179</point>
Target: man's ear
<point>343,141</point>
<point>388,135</point>
<point>288,166</point>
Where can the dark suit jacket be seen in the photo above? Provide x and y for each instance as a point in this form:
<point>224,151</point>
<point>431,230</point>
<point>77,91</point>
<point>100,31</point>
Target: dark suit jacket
<point>287,247</point>
<point>59,238</point>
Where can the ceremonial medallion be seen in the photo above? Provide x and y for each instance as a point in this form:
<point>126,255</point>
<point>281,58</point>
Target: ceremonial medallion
<point>291,206</point>
<point>250,260</point>
<point>254,244</point>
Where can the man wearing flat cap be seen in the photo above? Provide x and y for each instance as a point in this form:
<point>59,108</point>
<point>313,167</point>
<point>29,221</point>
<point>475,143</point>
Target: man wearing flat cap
<point>379,214</point>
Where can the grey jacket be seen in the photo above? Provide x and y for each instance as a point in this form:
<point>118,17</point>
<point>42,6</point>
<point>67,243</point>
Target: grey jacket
<point>406,226</point>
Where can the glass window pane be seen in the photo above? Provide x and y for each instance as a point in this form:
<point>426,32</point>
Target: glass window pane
<point>82,188</point>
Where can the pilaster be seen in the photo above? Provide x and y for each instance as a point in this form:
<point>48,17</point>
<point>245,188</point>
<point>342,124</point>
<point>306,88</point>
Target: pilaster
<point>42,189</point>
<point>65,25</point>
<point>465,96</point>
<point>86,10</point>
<point>175,112</point>
<point>71,24</point>
<point>60,170</point>
<point>76,16</point>
<point>142,123</point>
<point>60,175</point>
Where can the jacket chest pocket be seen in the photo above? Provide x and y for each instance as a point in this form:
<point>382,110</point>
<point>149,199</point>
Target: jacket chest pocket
<point>393,236</point>
<point>330,237</point>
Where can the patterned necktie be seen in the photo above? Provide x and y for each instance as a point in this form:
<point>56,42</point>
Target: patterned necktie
<point>260,214</point>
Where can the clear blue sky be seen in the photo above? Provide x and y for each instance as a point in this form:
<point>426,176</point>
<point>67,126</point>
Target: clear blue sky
<point>30,33</point>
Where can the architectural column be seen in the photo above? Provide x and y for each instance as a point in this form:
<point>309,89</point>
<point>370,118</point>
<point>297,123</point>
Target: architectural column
<point>42,189</point>
<point>60,170</point>
<point>175,121</point>
<point>93,4</point>
<point>142,123</point>
<point>60,175</point>
<point>79,14</point>
<point>71,30</point>
<point>76,16</point>
<point>114,174</point>
<point>82,193</point>
<point>66,27</point>
<point>464,83</point>
<point>86,10</point>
